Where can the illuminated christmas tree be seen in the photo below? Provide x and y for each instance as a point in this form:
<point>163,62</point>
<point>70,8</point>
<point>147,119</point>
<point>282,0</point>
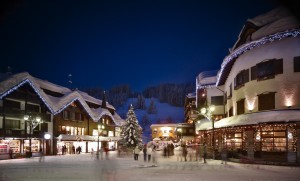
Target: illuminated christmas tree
<point>131,134</point>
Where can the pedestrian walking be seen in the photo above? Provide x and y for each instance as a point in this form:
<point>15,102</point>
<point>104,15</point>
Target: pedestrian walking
<point>204,152</point>
<point>42,158</point>
<point>184,152</point>
<point>136,152</point>
<point>10,151</point>
<point>106,152</point>
<point>154,156</point>
<point>178,153</point>
<point>92,153</point>
<point>73,149</point>
<point>149,154</point>
<point>224,155</point>
<point>145,152</point>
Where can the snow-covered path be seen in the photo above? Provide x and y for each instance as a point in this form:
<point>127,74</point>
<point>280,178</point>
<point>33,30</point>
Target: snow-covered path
<point>83,167</point>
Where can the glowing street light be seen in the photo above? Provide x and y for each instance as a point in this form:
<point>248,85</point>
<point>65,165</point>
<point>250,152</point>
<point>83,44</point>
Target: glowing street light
<point>33,122</point>
<point>100,128</point>
<point>208,112</point>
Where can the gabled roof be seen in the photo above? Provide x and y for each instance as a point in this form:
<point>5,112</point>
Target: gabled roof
<point>56,104</point>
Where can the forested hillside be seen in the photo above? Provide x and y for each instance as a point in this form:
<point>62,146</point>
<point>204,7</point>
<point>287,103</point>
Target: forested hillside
<point>173,94</point>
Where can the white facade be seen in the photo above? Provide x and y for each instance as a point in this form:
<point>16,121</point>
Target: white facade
<point>261,80</point>
<point>286,85</point>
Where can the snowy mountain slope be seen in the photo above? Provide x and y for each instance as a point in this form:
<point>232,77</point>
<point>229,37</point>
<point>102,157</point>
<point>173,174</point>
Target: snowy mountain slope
<point>164,111</point>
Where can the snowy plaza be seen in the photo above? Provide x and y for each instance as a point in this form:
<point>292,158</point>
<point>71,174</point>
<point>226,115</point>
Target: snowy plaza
<point>85,167</point>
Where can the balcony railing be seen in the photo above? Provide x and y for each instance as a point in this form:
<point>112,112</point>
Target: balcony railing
<point>19,133</point>
<point>19,114</point>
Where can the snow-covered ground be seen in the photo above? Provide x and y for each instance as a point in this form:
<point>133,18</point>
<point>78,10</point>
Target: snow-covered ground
<point>84,167</point>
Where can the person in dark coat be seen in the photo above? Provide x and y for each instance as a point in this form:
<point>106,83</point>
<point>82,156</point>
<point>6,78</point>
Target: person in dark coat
<point>145,153</point>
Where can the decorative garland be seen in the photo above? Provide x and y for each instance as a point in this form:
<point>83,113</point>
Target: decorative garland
<point>254,44</point>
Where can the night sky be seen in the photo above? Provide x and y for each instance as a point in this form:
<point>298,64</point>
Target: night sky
<point>108,43</point>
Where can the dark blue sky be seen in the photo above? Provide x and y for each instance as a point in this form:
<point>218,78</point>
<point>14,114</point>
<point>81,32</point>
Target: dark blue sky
<point>108,43</point>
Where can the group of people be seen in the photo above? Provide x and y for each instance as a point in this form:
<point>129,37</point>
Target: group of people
<point>198,152</point>
<point>149,153</point>
<point>64,150</point>
<point>192,152</point>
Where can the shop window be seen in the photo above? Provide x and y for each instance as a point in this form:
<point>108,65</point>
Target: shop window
<point>79,131</point>
<point>234,140</point>
<point>240,105</point>
<point>274,141</point>
<point>73,131</point>
<point>241,78</point>
<point>297,64</point>
<point>266,101</point>
<point>217,100</point>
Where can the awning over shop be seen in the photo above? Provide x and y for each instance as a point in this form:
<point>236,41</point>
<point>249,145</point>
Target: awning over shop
<point>252,119</point>
<point>64,137</point>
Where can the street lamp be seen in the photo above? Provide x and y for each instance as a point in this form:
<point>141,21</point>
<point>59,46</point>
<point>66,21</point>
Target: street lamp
<point>208,112</point>
<point>180,130</point>
<point>100,128</point>
<point>33,122</point>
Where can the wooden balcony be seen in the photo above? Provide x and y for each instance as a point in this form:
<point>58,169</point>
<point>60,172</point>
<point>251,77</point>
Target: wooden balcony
<point>19,114</point>
<point>16,133</point>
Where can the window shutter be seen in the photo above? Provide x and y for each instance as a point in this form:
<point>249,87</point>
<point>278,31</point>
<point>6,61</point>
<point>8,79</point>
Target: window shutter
<point>266,101</point>
<point>278,66</point>
<point>240,106</point>
<point>246,75</point>
<point>254,72</point>
<point>297,64</point>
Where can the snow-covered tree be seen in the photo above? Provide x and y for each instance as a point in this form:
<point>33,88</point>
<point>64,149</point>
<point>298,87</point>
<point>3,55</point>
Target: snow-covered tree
<point>152,108</point>
<point>140,103</point>
<point>145,122</point>
<point>131,134</point>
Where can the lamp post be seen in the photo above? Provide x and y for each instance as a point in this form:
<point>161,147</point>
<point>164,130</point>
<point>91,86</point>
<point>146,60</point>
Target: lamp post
<point>180,130</point>
<point>100,127</point>
<point>33,122</point>
<point>207,112</point>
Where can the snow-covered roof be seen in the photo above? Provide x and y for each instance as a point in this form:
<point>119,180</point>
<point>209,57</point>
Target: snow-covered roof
<point>267,28</point>
<point>56,104</point>
<point>279,19</point>
<point>276,20</point>
<point>275,116</point>
<point>94,100</point>
<point>86,138</point>
<point>163,125</point>
<point>44,84</point>
<point>206,78</point>
<point>191,95</point>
